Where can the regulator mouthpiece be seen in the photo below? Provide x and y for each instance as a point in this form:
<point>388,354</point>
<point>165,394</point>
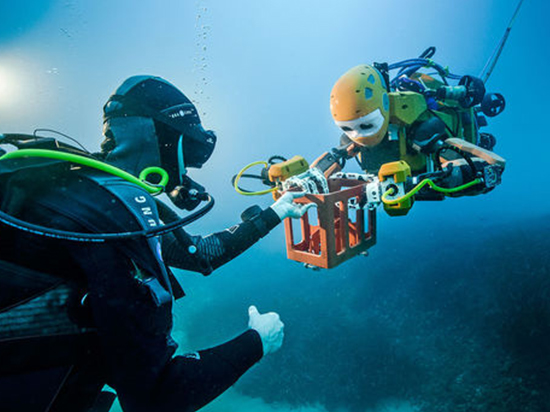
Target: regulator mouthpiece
<point>188,195</point>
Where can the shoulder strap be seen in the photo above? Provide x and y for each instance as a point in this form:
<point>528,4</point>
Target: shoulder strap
<point>143,207</point>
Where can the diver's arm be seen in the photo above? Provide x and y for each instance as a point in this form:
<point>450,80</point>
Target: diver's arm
<point>204,254</point>
<point>193,380</point>
<point>134,333</point>
<point>210,372</point>
<point>132,328</point>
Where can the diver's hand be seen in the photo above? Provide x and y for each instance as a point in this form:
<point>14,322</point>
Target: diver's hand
<point>269,327</point>
<point>285,206</point>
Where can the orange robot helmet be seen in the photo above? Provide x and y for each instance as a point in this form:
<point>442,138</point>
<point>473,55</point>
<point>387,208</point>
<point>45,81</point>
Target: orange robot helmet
<point>360,104</point>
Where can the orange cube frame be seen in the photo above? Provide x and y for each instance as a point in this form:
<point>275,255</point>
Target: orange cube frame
<point>335,238</point>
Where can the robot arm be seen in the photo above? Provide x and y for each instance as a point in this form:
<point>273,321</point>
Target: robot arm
<point>474,162</point>
<point>462,169</point>
<point>296,174</point>
<point>331,162</point>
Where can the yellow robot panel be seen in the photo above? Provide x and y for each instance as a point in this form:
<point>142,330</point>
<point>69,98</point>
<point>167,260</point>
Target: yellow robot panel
<point>279,172</point>
<point>398,172</point>
<point>406,107</point>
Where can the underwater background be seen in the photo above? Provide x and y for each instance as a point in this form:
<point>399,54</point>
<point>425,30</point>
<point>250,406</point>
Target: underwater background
<point>451,309</point>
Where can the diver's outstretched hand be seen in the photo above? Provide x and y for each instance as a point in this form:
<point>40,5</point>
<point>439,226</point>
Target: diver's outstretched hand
<point>285,206</point>
<point>269,327</point>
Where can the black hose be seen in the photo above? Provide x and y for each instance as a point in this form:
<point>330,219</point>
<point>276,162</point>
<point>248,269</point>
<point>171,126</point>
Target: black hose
<point>461,153</point>
<point>272,159</point>
<point>60,134</point>
<point>428,53</point>
<point>103,237</point>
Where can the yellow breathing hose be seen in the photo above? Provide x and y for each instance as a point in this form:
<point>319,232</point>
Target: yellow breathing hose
<point>423,183</point>
<point>243,170</point>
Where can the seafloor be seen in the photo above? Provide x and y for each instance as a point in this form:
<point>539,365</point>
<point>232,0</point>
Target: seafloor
<point>451,324</point>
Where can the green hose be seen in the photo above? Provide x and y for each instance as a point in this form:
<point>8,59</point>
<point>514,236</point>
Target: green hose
<point>96,164</point>
<point>423,183</point>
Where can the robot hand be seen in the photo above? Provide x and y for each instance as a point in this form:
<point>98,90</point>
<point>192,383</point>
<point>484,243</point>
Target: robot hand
<point>459,173</point>
<point>476,163</point>
<point>285,206</point>
<point>312,181</point>
<point>269,327</point>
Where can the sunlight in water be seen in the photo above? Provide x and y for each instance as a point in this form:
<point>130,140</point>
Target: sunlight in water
<point>8,82</point>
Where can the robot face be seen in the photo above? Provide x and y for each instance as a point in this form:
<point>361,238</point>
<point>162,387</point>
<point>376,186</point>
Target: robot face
<point>364,129</point>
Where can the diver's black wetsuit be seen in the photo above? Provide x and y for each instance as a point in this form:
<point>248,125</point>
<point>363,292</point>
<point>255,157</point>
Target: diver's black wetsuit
<point>128,306</point>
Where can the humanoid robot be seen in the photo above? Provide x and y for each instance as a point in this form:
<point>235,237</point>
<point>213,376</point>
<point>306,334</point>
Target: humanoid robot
<point>414,136</point>
<point>428,126</point>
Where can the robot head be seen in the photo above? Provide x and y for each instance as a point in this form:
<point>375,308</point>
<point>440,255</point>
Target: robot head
<point>359,104</point>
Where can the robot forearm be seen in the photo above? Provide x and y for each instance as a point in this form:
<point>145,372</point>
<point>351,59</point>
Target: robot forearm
<point>331,162</point>
<point>477,163</point>
<point>295,173</point>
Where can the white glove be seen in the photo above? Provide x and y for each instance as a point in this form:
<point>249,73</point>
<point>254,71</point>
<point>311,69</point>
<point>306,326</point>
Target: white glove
<point>269,327</point>
<point>285,207</point>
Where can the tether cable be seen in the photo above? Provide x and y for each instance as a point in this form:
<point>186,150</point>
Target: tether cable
<point>492,62</point>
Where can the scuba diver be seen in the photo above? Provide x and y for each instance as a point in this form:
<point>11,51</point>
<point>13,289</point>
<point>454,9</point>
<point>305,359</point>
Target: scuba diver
<point>86,292</point>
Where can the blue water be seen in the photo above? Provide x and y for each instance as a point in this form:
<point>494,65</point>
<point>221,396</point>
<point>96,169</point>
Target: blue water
<point>450,310</point>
